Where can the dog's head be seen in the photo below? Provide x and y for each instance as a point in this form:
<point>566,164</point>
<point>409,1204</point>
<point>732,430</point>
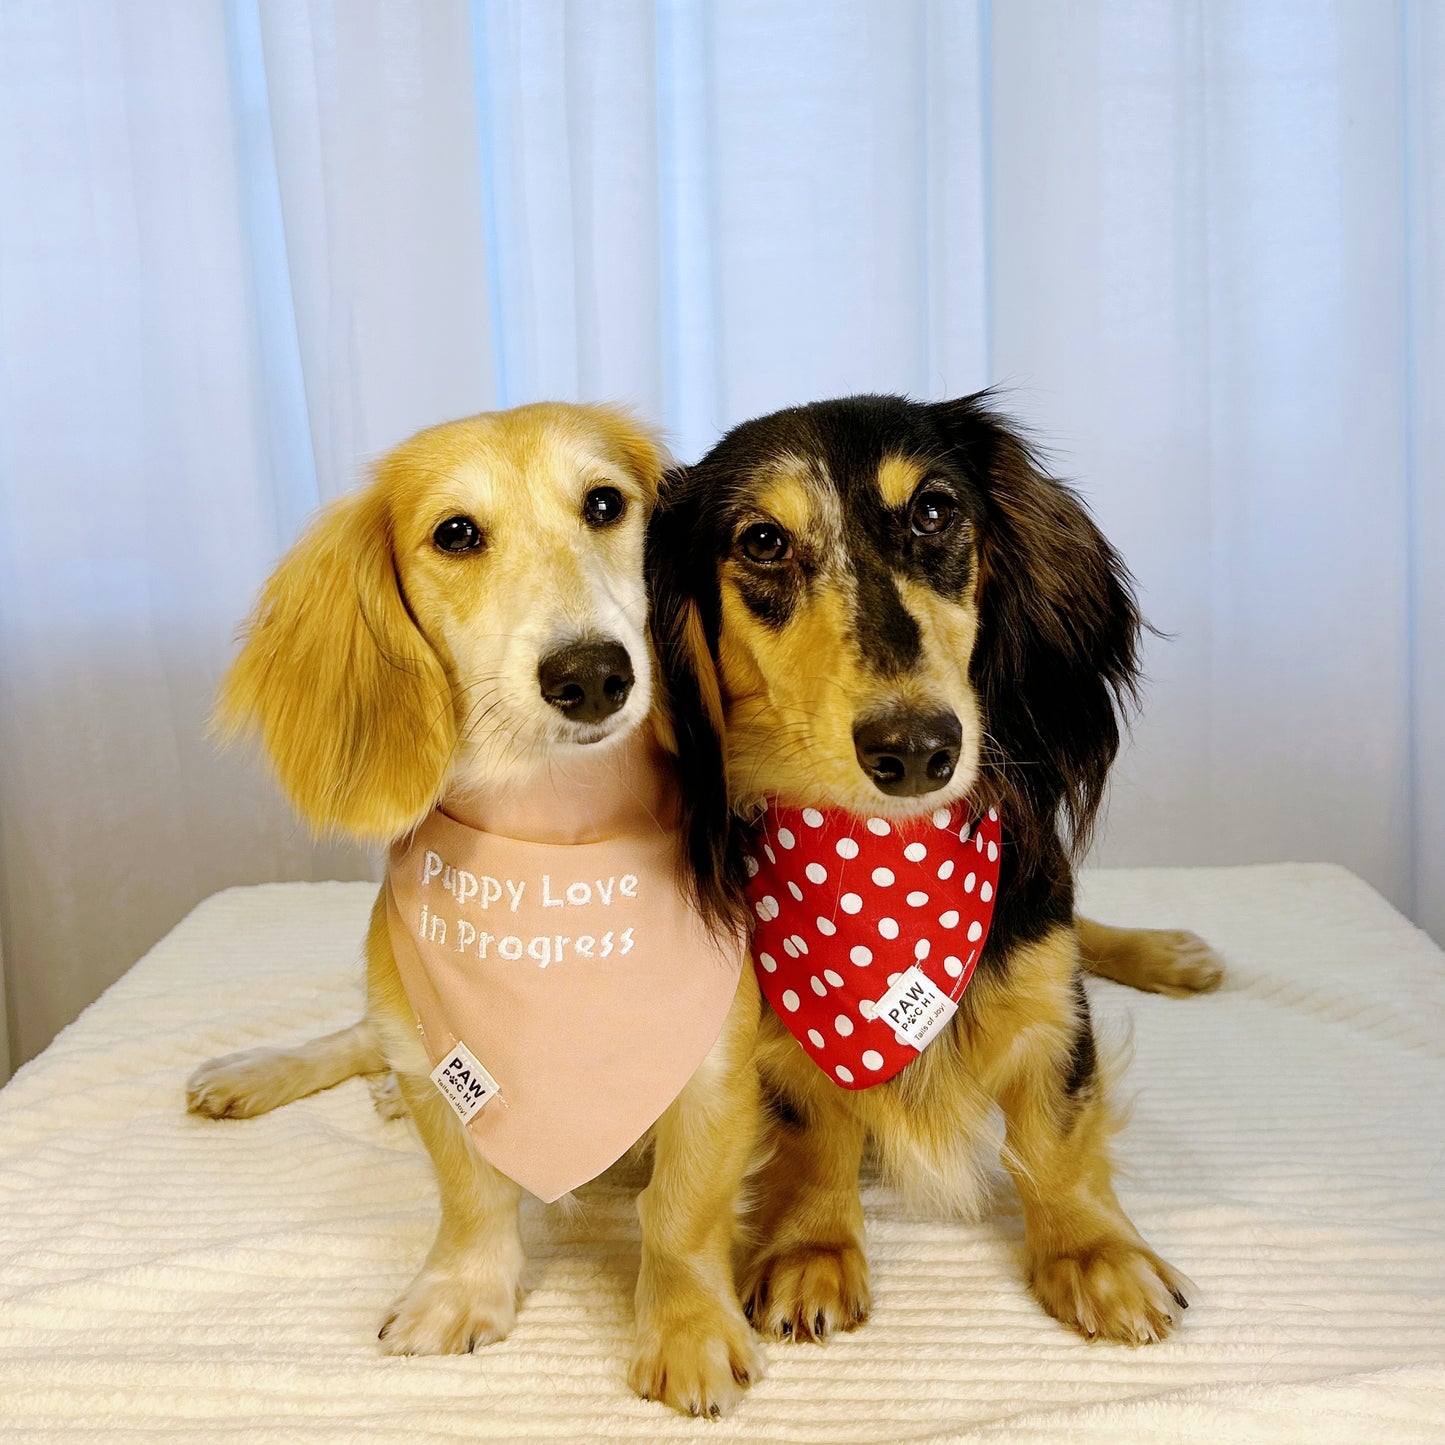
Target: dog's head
<point>475,613</point>
<point>904,609</point>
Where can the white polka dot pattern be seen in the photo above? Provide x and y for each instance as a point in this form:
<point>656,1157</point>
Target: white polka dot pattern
<point>883,895</point>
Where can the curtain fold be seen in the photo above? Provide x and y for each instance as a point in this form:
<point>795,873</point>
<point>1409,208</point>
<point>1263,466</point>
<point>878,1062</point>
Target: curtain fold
<point>245,247</point>
<point>1422,44</point>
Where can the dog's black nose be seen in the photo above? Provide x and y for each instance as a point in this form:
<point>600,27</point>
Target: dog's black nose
<point>908,753</point>
<point>586,681</point>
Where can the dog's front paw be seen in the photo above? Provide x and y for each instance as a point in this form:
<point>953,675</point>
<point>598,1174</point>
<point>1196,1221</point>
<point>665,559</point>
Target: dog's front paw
<point>1115,1290</point>
<point>386,1095</point>
<point>808,1292</point>
<point>1180,964</point>
<point>239,1086</point>
<point>699,1362</point>
<point>450,1314</point>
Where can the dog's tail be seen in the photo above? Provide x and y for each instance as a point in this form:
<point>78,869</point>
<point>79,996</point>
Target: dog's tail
<point>240,1086</point>
<point>1154,960</point>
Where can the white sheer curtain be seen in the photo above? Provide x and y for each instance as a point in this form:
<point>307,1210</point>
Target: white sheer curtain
<point>244,247</point>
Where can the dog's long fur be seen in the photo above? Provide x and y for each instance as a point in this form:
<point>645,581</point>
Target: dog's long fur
<point>382,673</point>
<point>369,696</point>
<point>1019,620</point>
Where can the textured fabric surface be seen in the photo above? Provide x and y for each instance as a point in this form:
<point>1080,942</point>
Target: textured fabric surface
<point>163,1277</point>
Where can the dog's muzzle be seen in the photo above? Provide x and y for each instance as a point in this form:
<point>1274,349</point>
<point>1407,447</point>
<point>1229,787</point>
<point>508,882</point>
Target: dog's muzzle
<point>907,754</point>
<point>586,681</point>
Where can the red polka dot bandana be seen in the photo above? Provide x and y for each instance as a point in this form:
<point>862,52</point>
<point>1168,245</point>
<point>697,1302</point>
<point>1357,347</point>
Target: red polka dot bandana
<point>846,906</point>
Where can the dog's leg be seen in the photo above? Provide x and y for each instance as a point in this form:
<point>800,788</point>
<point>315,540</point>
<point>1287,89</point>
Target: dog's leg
<point>239,1086</point>
<point>1155,960</point>
<point>1087,1264</point>
<point>694,1349</point>
<point>806,1275</point>
<point>466,1293</point>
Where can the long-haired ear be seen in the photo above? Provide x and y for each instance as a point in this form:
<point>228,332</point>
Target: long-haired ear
<point>683,589</point>
<point>1056,663</point>
<point>350,701</point>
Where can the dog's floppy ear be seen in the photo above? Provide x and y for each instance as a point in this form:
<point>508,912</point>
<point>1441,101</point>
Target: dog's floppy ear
<point>350,701</point>
<point>683,588</point>
<point>1056,660</point>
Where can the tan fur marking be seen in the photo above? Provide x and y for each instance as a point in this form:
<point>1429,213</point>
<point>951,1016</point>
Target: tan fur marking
<point>795,693</point>
<point>787,498</point>
<point>899,478</point>
<point>707,682</point>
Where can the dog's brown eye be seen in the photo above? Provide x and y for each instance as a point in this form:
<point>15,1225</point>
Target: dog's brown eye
<point>932,513</point>
<point>458,534</point>
<point>763,542</point>
<point>603,506</point>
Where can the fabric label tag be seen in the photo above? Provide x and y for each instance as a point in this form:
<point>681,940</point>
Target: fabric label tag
<point>916,1008</point>
<point>463,1082</point>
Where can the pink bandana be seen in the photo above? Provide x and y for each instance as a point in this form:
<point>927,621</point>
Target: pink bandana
<point>563,987</point>
<point>868,930</point>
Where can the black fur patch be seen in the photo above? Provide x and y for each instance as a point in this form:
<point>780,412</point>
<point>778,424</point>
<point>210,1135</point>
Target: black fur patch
<point>712,864</point>
<point>888,636</point>
<point>770,597</point>
<point>784,1109</point>
<point>1055,663</point>
<point>1035,897</point>
<point>1083,1059</point>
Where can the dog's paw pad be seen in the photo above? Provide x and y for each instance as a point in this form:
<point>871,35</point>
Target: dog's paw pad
<point>809,1292</point>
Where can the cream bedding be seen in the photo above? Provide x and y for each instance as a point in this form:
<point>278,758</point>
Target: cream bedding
<point>162,1277</point>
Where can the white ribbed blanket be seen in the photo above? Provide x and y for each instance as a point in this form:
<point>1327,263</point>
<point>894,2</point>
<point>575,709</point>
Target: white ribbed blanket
<point>167,1278</point>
